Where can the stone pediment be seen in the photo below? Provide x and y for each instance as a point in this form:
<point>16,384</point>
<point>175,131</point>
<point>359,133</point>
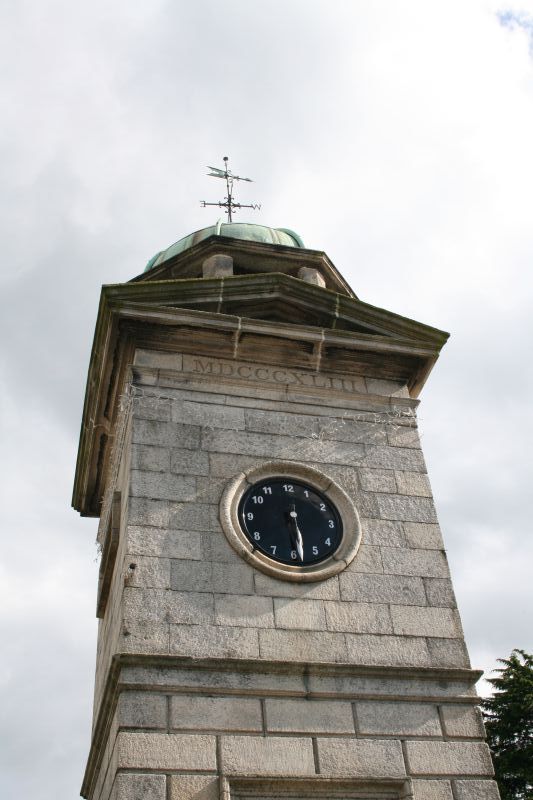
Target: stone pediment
<point>277,297</point>
<point>249,258</point>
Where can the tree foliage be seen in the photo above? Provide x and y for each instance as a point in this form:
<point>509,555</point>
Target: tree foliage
<point>509,721</point>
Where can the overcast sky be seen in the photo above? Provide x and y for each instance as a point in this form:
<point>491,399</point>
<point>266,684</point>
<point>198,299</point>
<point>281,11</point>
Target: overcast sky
<point>396,136</point>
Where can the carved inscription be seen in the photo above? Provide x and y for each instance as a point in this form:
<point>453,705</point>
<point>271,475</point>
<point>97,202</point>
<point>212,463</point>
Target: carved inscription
<point>219,368</point>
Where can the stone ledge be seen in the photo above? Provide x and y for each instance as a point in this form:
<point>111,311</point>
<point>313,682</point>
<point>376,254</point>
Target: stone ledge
<point>304,680</point>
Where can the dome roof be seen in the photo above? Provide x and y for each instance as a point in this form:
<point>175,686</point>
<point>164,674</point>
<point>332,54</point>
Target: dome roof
<point>234,230</point>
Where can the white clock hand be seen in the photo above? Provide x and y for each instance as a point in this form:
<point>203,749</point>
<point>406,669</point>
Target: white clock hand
<point>299,538</point>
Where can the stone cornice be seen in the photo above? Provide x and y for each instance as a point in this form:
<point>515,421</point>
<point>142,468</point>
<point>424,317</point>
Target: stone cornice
<point>345,336</point>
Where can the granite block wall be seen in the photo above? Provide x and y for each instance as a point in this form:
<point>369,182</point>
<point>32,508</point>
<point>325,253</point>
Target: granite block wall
<point>384,626</point>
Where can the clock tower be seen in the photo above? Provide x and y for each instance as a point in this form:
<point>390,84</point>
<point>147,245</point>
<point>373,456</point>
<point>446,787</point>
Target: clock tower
<point>276,616</point>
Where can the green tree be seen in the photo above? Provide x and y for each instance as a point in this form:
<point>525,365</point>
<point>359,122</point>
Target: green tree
<point>509,721</point>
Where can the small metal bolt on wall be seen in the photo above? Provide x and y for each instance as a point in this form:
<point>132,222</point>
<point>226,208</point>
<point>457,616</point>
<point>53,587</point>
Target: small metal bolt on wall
<point>228,203</point>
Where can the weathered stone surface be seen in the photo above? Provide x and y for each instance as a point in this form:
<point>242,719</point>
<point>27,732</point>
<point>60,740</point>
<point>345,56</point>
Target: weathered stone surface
<point>261,421</point>
<point>246,611</point>
<point>368,559</point>
<point>310,275</point>
<point>432,790</point>
<point>209,489</point>
<point>405,561</point>
<point>226,465</point>
<point>152,407</point>
<point>140,787</point>
<point>386,457</point>
<point>302,646</point>
<point>166,751</point>
<point>358,617</point>
<point>164,543</point>
<point>377,480</point>
<point>462,720</point>
<point>187,462</point>
<point>142,710</point>
<point>215,713</point>
<point>165,434</point>
<point>435,622</point>
<point>256,755</point>
<point>405,508</point>
<point>146,457</point>
<point>217,548</point>
<point>148,572</point>
<point>424,536</point>
<point>409,719</point>
<point>162,486</point>
<point>193,787</point>
<point>413,483</point>
<point>476,790</point>
<point>152,513</point>
<point>384,533</point>
<point>139,636</point>
<point>286,447</point>
<point>394,651</point>
<point>211,577</point>
<point>448,758</point>
<point>208,415</point>
<point>439,592</point>
<point>308,716</point>
<point>206,641</point>
<point>188,577</point>
<point>193,517</point>
<point>217,266</point>
<point>158,359</point>
<point>386,387</point>
<point>360,757</point>
<point>322,590</point>
<point>448,652</point>
<point>160,605</point>
<point>297,613</point>
<point>403,436</point>
<point>347,430</point>
<point>382,588</point>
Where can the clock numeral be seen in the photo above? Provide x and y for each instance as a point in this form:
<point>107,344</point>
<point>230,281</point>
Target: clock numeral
<point>315,550</point>
<point>331,523</point>
<point>273,547</point>
<point>306,493</point>
<point>267,489</point>
<point>328,542</point>
<point>322,506</point>
<point>257,536</point>
<point>249,515</point>
<point>257,499</point>
<point>288,487</point>
<point>294,555</point>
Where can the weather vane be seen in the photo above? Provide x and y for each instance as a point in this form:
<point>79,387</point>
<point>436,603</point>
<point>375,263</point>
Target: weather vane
<point>228,203</point>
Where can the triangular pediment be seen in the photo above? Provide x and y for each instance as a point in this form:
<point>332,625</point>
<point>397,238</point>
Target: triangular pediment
<point>248,258</point>
<point>279,298</point>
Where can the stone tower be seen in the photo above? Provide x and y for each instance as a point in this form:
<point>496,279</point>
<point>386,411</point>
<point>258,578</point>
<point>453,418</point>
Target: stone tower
<point>275,608</point>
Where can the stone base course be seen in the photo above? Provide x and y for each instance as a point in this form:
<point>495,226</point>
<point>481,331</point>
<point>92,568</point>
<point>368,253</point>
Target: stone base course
<point>178,727</point>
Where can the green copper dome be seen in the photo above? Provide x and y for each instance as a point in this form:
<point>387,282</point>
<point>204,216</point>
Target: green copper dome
<point>233,230</point>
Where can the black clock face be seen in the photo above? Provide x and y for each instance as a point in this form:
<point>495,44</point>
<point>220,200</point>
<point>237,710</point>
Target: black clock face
<point>290,521</point>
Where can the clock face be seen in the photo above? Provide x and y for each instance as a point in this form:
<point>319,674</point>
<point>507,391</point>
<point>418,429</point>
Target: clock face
<point>290,521</point>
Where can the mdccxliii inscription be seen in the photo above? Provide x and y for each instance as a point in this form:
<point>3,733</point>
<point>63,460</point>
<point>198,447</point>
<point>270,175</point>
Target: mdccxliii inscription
<point>219,368</point>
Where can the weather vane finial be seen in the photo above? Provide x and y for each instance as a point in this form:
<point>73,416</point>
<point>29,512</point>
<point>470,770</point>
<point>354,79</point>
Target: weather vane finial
<point>228,203</point>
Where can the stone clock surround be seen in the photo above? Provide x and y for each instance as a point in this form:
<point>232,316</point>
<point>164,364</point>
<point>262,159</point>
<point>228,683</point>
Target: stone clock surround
<point>208,669</point>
